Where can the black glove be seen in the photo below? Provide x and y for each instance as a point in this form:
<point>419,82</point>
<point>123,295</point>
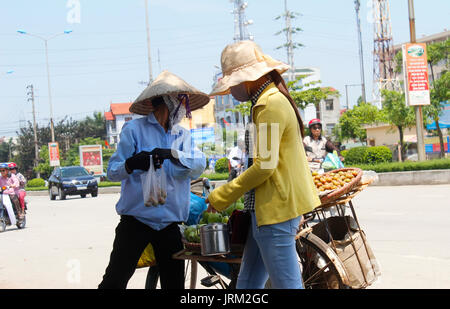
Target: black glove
<point>140,161</point>
<point>161,154</point>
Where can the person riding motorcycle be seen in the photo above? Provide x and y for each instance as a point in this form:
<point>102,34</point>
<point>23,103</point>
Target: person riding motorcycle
<point>22,182</point>
<point>12,184</point>
<point>317,146</point>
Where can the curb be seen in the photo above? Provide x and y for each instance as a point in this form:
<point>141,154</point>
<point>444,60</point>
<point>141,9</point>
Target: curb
<point>104,190</point>
<point>413,178</point>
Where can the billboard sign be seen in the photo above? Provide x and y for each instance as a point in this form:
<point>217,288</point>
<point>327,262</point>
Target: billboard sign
<point>91,158</point>
<point>203,135</point>
<point>415,68</point>
<point>53,152</point>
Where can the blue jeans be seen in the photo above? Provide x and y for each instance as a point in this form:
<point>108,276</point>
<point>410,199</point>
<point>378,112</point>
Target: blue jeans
<point>270,252</point>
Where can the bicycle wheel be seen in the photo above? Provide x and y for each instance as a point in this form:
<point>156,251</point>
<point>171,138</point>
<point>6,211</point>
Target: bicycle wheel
<point>317,267</point>
<point>190,276</point>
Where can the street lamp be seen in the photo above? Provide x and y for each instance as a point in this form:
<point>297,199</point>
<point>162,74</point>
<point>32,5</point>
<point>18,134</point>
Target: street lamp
<point>346,93</point>
<point>46,39</point>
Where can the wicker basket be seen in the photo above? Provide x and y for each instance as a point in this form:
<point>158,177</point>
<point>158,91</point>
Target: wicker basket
<point>192,246</point>
<point>335,194</point>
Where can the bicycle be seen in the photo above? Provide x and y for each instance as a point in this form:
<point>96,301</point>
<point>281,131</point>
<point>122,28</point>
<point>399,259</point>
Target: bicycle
<point>320,265</point>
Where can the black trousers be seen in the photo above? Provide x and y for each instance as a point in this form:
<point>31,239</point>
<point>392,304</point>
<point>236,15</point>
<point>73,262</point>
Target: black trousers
<point>132,236</point>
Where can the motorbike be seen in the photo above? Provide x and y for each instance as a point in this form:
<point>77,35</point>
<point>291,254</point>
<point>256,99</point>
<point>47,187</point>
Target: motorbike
<point>8,214</point>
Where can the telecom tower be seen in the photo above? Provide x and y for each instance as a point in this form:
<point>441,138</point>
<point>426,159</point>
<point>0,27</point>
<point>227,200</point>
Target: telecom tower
<point>240,21</point>
<point>383,51</point>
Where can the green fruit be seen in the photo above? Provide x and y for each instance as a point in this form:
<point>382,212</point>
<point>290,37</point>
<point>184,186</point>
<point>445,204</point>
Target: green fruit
<point>205,215</point>
<point>240,206</point>
<point>215,218</point>
<point>225,219</point>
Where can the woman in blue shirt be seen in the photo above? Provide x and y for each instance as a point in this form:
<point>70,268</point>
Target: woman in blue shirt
<point>164,103</point>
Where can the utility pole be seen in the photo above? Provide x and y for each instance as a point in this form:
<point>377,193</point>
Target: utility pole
<point>148,43</point>
<point>383,51</point>
<point>289,47</point>
<point>240,21</point>
<point>289,31</point>
<point>361,57</point>
<point>36,150</point>
<point>417,108</point>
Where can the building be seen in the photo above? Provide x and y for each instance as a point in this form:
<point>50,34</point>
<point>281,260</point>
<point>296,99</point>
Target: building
<point>329,113</point>
<point>118,114</point>
<point>203,117</point>
<point>387,135</point>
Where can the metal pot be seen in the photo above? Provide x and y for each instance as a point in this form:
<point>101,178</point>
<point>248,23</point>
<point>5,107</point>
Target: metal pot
<point>214,239</point>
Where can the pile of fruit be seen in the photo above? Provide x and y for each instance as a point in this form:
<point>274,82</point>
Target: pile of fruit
<point>333,180</point>
<point>192,232</point>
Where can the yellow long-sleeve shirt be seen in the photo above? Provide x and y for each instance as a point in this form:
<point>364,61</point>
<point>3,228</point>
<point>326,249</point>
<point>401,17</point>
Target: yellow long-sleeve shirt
<point>280,174</point>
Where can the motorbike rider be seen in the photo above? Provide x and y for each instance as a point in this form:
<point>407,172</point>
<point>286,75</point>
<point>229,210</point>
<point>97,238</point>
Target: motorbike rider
<point>12,184</point>
<point>316,145</point>
<point>22,182</point>
<point>236,159</point>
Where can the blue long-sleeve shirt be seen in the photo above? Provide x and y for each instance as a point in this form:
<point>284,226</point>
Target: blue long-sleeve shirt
<point>145,134</point>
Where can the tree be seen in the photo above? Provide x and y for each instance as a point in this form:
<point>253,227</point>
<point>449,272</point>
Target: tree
<point>351,122</point>
<point>67,133</point>
<point>440,92</point>
<point>6,150</point>
<point>44,168</point>
<point>304,94</point>
<point>437,52</point>
<point>398,114</point>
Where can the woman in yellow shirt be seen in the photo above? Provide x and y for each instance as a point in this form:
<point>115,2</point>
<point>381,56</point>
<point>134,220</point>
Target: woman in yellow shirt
<point>277,185</point>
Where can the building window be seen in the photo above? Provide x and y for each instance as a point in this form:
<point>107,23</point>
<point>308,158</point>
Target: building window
<point>330,127</point>
<point>329,105</point>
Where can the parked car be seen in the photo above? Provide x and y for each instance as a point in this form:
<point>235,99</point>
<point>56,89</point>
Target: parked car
<point>71,180</point>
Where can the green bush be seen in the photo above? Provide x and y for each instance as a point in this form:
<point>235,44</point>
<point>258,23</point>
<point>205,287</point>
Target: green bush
<point>439,164</point>
<point>356,155</point>
<point>221,165</point>
<point>344,153</point>
<point>36,182</point>
<point>377,154</point>
<point>368,155</point>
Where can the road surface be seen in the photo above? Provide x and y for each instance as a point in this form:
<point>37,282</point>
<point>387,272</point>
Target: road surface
<point>66,244</point>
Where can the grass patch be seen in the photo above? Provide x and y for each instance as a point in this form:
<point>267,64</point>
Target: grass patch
<point>108,184</point>
<point>216,176</point>
<point>438,164</point>
<point>43,188</point>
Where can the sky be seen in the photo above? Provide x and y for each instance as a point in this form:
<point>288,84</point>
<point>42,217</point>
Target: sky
<point>104,59</point>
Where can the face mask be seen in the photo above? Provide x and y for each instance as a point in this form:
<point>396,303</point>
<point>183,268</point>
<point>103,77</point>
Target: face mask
<point>240,92</point>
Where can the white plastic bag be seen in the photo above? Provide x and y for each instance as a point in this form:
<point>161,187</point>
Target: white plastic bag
<point>161,186</point>
<point>154,186</point>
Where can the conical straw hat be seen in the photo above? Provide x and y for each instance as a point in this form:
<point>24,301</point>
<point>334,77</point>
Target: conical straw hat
<point>168,83</point>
